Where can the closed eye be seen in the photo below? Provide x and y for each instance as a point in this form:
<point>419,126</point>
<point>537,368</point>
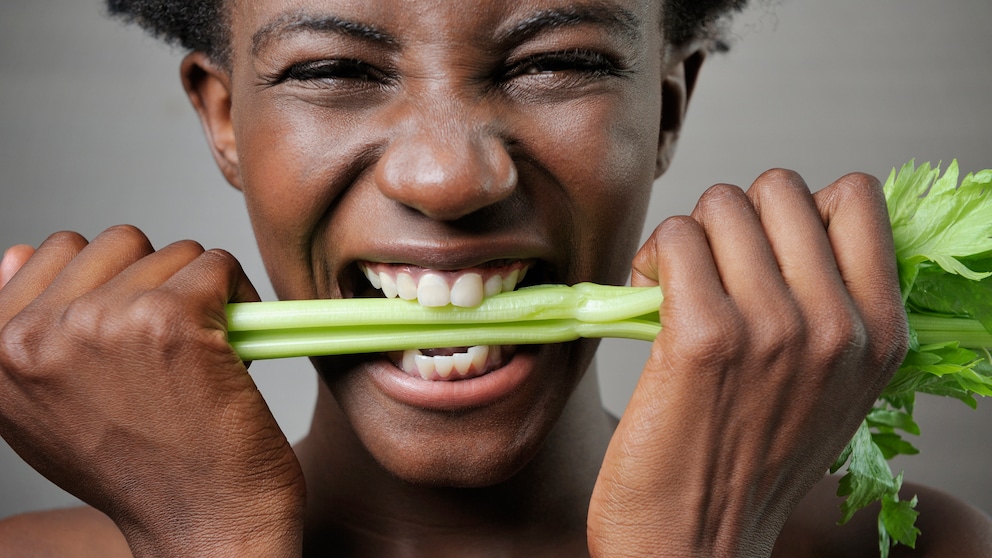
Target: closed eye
<point>589,63</point>
<point>326,72</point>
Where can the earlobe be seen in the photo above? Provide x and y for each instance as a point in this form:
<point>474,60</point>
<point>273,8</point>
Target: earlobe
<point>209,89</point>
<point>676,89</point>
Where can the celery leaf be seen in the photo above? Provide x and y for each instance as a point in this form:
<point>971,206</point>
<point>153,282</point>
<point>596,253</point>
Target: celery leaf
<point>943,240</point>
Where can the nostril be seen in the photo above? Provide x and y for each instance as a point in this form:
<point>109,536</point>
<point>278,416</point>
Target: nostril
<point>446,176</point>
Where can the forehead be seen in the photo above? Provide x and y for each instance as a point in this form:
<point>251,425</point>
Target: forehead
<point>257,21</point>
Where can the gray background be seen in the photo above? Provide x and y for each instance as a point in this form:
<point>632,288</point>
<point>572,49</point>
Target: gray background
<point>95,130</point>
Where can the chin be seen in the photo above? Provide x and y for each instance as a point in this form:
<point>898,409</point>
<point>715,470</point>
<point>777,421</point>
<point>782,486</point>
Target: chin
<point>463,443</point>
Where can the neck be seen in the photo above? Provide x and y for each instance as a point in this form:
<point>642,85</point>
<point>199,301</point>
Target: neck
<point>356,507</point>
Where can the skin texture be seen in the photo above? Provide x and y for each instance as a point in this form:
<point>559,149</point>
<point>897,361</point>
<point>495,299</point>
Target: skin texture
<point>465,133</point>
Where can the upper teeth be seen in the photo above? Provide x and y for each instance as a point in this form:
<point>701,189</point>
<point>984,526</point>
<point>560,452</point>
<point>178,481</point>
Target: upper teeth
<point>439,288</point>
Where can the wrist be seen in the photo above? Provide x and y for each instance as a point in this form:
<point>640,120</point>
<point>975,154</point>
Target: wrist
<point>220,540</point>
<point>271,529</point>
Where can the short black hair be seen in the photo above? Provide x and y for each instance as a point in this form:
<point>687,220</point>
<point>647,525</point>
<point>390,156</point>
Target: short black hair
<point>200,25</point>
<point>196,25</point>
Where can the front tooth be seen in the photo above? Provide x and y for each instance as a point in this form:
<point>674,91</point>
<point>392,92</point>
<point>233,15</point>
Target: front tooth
<point>495,355</point>
<point>373,278</point>
<point>467,290</point>
<point>433,290</point>
<point>425,365</point>
<point>493,286</point>
<point>443,365</point>
<point>463,363</point>
<point>406,287</point>
<point>388,285</point>
<point>479,354</point>
<point>410,360</point>
<point>510,281</point>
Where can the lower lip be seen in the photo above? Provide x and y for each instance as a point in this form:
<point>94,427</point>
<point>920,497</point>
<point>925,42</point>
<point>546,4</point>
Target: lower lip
<point>452,395</point>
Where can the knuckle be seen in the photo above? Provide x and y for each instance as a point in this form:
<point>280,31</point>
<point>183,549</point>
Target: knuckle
<point>191,247</point>
<point>125,231</point>
<point>84,316</point>
<point>839,336</point>
<point>222,257</point>
<point>20,341</point>
<point>150,309</point>
<point>155,318</point>
<point>223,262</point>
<point>855,188</point>
<point>783,333</point>
<point>779,177</point>
<point>65,240</point>
<point>128,237</point>
<point>860,182</point>
<point>774,183</point>
<point>719,194</point>
<point>718,199</point>
<point>709,342</point>
<point>13,340</point>
<point>676,227</point>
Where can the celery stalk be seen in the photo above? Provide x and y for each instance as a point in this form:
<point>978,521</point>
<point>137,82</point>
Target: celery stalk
<point>532,315</point>
<point>282,343</point>
<point>968,333</point>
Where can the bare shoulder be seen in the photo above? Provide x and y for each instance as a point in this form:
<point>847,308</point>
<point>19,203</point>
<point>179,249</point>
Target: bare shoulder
<point>949,527</point>
<point>80,532</point>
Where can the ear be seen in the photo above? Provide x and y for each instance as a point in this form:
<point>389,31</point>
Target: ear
<point>676,89</point>
<point>209,89</point>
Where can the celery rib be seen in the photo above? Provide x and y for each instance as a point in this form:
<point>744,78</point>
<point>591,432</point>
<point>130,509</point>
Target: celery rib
<point>322,341</point>
<point>969,333</point>
<point>539,314</point>
<point>585,302</point>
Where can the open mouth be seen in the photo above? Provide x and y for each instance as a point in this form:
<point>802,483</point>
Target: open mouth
<point>437,288</point>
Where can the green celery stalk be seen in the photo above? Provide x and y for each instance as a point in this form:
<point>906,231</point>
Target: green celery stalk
<point>966,332</point>
<point>532,315</point>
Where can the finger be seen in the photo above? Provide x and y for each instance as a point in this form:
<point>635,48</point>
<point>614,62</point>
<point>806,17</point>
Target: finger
<point>211,281</point>
<point>13,259</point>
<point>39,272</point>
<point>798,239</point>
<point>744,259</point>
<point>644,270</point>
<point>677,249</point>
<point>151,271</point>
<point>678,256</point>
<point>866,260</point>
<point>110,253</point>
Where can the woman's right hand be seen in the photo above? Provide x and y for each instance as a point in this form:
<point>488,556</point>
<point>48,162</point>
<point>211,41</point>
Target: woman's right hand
<point>783,323</point>
<point>118,384</point>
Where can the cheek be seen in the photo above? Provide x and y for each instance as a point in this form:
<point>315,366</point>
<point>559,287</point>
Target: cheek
<point>605,161</point>
<point>289,180</point>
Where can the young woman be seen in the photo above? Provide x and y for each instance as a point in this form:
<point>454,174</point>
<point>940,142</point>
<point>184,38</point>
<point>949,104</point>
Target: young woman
<point>443,146</point>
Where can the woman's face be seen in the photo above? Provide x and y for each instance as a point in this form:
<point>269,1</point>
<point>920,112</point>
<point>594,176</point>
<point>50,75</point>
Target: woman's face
<point>447,149</point>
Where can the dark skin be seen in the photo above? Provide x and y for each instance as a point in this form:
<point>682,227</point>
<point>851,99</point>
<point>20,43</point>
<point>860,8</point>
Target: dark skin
<point>446,136</point>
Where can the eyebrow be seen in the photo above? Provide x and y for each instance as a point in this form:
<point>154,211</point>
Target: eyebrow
<point>615,18</point>
<point>303,22</point>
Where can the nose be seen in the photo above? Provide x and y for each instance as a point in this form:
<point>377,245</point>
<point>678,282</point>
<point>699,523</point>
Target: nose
<point>446,165</point>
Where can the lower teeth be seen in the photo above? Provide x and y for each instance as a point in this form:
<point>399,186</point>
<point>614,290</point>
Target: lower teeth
<point>446,364</point>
